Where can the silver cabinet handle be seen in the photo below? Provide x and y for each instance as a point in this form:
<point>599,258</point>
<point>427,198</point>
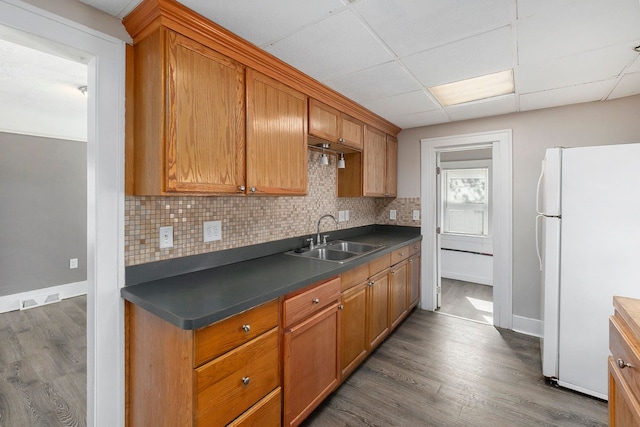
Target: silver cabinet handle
<point>242,188</point>
<point>341,307</point>
<point>316,301</point>
<point>341,140</point>
<point>622,364</point>
<point>246,328</point>
<point>371,283</point>
<point>246,380</point>
<point>252,189</point>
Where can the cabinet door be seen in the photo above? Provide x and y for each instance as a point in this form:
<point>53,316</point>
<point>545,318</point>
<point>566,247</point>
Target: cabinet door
<point>413,296</point>
<point>397,294</point>
<point>391,178</point>
<point>353,328</point>
<point>205,129</point>
<point>310,364</point>
<point>324,121</point>
<point>378,308</point>
<point>351,132</point>
<point>624,409</point>
<point>375,162</point>
<point>276,137</point>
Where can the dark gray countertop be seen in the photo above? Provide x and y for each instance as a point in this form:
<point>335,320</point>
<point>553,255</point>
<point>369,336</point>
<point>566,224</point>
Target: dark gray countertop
<point>198,298</point>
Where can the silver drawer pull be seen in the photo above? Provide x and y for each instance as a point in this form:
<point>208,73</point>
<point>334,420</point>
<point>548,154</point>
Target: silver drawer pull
<point>246,380</point>
<point>622,364</point>
<point>316,301</point>
<point>246,328</point>
<point>341,307</point>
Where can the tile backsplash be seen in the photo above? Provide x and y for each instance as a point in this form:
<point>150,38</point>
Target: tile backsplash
<point>250,220</point>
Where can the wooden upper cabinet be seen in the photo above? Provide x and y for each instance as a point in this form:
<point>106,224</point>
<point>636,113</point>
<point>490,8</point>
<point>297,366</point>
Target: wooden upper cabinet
<point>190,118</point>
<point>391,180</point>
<point>332,125</point>
<point>375,162</point>
<point>276,137</point>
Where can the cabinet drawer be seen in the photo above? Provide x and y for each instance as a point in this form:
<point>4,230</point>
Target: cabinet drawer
<point>311,301</point>
<point>414,248</point>
<point>400,254</point>
<point>350,278</point>
<point>217,339</point>
<point>232,383</point>
<point>620,339</point>
<point>265,413</point>
<point>379,264</point>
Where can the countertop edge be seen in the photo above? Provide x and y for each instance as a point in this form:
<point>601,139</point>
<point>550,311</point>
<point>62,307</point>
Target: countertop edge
<point>133,295</point>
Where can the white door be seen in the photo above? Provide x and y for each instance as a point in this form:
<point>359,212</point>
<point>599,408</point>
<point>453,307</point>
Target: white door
<point>438,231</point>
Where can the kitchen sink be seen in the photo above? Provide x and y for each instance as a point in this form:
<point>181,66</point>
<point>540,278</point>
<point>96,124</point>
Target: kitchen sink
<point>337,251</point>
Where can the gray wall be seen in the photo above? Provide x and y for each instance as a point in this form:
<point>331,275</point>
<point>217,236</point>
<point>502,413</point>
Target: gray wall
<point>595,123</point>
<point>43,212</point>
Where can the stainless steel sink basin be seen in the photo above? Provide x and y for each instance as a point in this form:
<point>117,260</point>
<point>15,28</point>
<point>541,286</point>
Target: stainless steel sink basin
<point>359,248</point>
<point>337,251</point>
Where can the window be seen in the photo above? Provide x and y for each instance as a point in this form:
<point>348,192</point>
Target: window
<point>465,195</point>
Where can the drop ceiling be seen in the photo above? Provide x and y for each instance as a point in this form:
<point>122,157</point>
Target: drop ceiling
<point>384,54</point>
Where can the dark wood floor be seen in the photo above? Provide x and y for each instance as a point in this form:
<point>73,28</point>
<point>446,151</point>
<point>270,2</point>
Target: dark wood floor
<point>437,370</point>
<point>467,300</point>
<point>43,365</point>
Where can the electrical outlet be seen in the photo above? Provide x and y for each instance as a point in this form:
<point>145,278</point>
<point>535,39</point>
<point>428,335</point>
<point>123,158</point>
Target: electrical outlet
<point>73,263</point>
<point>416,215</point>
<point>341,216</point>
<point>392,214</point>
<point>166,237</point>
<point>212,230</point>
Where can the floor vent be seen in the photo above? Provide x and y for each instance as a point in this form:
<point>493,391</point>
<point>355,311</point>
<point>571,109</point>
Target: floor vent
<point>39,300</point>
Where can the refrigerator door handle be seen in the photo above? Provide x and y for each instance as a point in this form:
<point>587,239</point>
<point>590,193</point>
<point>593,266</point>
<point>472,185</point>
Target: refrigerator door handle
<point>538,217</point>
<point>538,192</point>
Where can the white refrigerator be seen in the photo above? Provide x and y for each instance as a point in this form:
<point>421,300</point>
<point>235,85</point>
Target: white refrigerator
<point>588,239</point>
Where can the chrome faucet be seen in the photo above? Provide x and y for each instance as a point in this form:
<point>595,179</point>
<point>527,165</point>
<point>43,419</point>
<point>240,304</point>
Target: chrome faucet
<point>321,218</point>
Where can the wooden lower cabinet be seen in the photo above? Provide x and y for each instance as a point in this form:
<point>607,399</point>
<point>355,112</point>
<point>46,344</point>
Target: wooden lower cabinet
<point>624,362</point>
<point>378,307</point>
<point>310,351</point>
<point>178,377</point>
<point>398,279</point>
<point>413,289</point>
<point>353,328</point>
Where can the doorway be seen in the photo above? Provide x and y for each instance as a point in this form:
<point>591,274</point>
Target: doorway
<point>105,203</point>
<point>499,143</point>
<point>464,221</point>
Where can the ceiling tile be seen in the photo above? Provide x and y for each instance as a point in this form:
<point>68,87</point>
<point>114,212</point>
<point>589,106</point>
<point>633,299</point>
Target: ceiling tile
<point>577,27</point>
<point>376,82</point>
<point>585,67</point>
<point>484,108</point>
<point>477,56</point>
<point>263,22</point>
<point>336,46</point>
<point>426,118</point>
<point>117,8</point>
<point>628,85</point>
<point>411,26</point>
<point>527,8</point>
<point>566,95</point>
<point>403,104</point>
<point>635,67</point>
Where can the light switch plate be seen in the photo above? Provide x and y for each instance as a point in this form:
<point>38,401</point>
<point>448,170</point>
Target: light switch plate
<point>416,215</point>
<point>73,263</point>
<point>346,215</point>
<point>341,216</point>
<point>166,237</point>
<point>212,230</point>
<point>392,214</point>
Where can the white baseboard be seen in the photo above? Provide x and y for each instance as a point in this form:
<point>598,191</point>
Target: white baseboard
<point>526,325</point>
<point>12,302</point>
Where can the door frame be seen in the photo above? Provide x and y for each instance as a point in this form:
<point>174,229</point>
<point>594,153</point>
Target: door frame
<point>105,200</point>
<point>502,217</point>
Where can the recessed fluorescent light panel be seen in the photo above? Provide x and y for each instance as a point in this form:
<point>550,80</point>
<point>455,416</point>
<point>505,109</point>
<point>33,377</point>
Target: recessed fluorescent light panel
<point>474,89</point>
